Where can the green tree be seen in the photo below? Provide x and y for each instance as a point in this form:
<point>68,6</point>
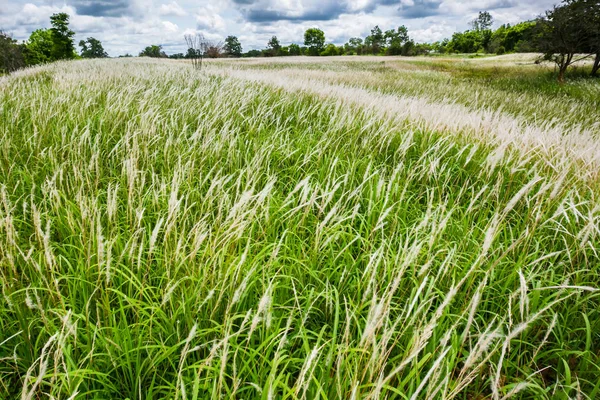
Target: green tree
<point>330,50</point>
<point>396,39</point>
<point>354,46</point>
<point>63,47</point>
<point>252,53</point>
<point>38,48</point>
<point>273,47</point>
<point>153,51</point>
<point>92,48</point>
<point>483,22</point>
<point>590,24</point>
<point>314,39</point>
<point>376,40</point>
<point>562,35</point>
<point>11,55</point>
<point>294,50</point>
<point>233,47</point>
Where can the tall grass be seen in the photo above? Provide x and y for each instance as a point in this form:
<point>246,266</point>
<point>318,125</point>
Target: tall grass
<point>170,234</point>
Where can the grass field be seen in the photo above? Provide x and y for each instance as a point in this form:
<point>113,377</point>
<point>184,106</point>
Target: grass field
<point>353,228</point>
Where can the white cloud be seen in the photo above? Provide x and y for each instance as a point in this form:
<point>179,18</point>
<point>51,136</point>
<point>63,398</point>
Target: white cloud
<point>172,9</point>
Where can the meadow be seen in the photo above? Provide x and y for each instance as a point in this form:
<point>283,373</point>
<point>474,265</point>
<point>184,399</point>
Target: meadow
<point>300,228</point>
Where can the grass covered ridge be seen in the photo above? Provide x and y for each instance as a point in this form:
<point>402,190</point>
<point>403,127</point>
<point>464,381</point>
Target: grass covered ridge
<point>166,233</point>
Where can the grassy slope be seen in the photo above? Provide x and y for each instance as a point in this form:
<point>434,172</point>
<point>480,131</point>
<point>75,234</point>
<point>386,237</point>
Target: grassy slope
<point>171,234</point>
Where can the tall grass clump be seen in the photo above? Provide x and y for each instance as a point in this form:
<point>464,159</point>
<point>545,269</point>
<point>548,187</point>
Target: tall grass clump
<point>170,234</point>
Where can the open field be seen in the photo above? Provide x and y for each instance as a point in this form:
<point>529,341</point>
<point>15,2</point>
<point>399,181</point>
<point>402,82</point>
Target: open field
<point>290,228</point>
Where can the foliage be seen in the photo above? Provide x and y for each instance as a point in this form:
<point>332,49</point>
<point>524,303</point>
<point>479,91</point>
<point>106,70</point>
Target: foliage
<point>11,54</point>
<point>396,40</point>
<point>153,51</point>
<point>562,34</point>
<point>469,41</point>
<point>63,47</point>
<point>354,46</point>
<point>519,38</point>
<point>375,42</point>
<point>38,48</point>
<point>314,39</point>
<point>483,22</point>
<point>294,50</point>
<point>252,53</point>
<point>273,47</point>
<point>232,47</point>
<point>332,50</point>
<point>92,48</point>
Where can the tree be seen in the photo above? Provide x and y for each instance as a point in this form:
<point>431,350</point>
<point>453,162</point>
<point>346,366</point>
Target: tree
<point>509,38</point>
<point>376,40</point>
<point>330,50</point>
<point>294,50</point>
<point>589,10</point>
<point>396,39</point>
<point>562,35</point>
<point>273,47</point>
<point>354,46</point>
<point>38,48</point>
<point>214,50</point>
<point>11,55</point>
<point>253,53</point>
<point>233,47</point>
<point>314,39</point>
<point>154,51</point>
<point>483,22</point>
<point>62,37</point>
<point>92,48</point>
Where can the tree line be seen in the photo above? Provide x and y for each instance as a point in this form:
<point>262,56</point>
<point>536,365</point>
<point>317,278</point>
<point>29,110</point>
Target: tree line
<point>564,35</point>
<point>46,45</point>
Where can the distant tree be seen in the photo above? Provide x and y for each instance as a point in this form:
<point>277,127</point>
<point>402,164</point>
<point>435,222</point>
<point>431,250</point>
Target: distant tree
<point>440,46</point>
<point>193,53</point>
<point>395,40</point>
<point>314,39</point>
<point>562,35</point>
<point>154,51</point>
<point>126,55</point>
<point>294,50</point>
<point>509,38</point>
<point>330,50</point>
<point>354,46</point>
<point>62,37</point>
<point>177,56</point>
<point>38,48</point>
<point>375,42</point>
<point>232,47</point>
<point>92,48</point>
<point>483,22</point>
<point>273,47</point>
<point>11,54</point>
<point>252,53</point>
<point>214,49</point>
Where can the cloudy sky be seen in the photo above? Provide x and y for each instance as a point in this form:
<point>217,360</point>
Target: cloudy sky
<point>127,26</point>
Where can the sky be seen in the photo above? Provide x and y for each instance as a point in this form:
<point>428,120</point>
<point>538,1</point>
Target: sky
<point>127,26</point>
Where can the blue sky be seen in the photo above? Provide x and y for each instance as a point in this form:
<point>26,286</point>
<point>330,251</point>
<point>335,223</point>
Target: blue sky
<point>127,26</point>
